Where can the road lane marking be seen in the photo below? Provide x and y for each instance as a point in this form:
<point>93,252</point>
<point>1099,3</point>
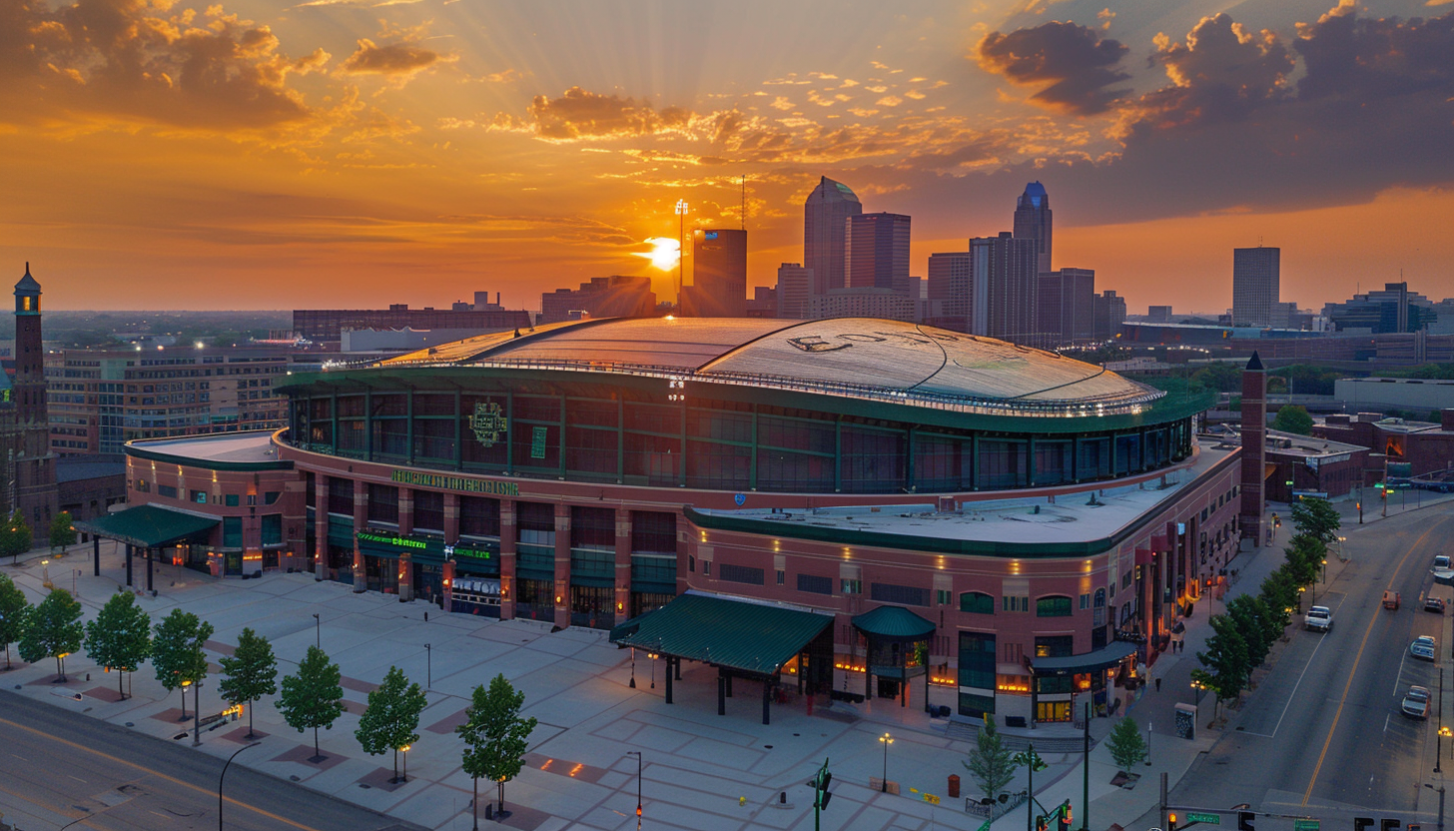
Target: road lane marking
<point>1398,680</point>
<point>1293,695</point>
<point>1385,722</point>
<point>1357,659</point>
<point>204,791</point>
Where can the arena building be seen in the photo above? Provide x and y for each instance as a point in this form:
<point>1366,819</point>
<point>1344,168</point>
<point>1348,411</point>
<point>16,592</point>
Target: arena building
<point>867,505</point>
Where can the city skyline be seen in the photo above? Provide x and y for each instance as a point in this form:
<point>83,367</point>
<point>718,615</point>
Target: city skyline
<point>286,151</point>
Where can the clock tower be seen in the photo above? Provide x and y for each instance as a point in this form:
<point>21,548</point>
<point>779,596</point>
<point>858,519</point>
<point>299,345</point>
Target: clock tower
<point>30,465</point>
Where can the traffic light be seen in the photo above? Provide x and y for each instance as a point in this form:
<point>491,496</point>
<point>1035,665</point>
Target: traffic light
<point>819,783</point>
<point>1244,821</point>
<point>1041,824</point>
<point>1171,821</point>
<point>1063,823</point>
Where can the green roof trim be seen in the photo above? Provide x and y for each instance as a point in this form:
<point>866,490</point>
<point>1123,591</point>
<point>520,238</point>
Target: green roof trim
<point>938,545</point>
<point>893,623</point>
<point>734,634</point>
<point>148,526</point>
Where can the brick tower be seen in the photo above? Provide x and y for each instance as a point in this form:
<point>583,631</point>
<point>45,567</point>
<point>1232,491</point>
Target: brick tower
<point>30,464</point>
<point>1254,449</point>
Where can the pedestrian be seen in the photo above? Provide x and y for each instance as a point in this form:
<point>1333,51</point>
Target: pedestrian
<point>1158,684</point>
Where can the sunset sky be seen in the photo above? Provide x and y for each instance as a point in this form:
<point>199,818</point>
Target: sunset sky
<point>256,154</point>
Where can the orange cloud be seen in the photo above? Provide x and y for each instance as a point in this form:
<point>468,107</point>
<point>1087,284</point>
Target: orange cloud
<point>396,59</point>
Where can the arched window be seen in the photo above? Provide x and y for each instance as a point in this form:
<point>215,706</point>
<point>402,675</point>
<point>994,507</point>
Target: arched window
<point>1054,605</point>
<point>977,603</point>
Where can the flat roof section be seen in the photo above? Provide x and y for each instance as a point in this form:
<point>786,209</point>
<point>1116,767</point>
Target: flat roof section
<point>234,451</point>
<point>738,634</point>
<point>1074,525</point>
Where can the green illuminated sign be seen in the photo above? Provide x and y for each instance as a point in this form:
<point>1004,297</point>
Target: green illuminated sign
<point>455,483</point>
<point>538,436</point>
<point>469,553</point>
<point>391,539</point>
<point>1305,825</point>
<point>1213,819</point>
<point>488,423</point>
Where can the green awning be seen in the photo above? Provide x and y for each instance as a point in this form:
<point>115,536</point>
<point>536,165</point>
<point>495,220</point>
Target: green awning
<point>893,623</point>
<point>149,526</point>
<point>735,634</point>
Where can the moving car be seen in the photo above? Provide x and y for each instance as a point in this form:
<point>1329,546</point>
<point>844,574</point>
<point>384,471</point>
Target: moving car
<point>1319,619</point>
<point>1416,702</point>
<point>1422,648</point>
<point>1390,600</point>
<point>1434,604</point>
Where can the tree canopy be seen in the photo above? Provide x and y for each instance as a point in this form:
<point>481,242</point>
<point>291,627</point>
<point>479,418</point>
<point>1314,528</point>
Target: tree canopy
<point>1293,418</point>
<point>55,630</point>
<point>15,536</point>
<point>249,674</point>
<point>62,532</point>
<point>176,652</point>
<point>392,717</point>
<point>313,696</point>
<point>495,735</point>
<point>120,636</point>
<point>15,613</point>
<point>991,763</point>
<point>1127,746</point>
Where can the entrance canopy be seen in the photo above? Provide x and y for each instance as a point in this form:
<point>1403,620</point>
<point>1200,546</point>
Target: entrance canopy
<point>893,623</point>
<point>1107,656</point>
<point>149,526</point>
<point>732,634</point>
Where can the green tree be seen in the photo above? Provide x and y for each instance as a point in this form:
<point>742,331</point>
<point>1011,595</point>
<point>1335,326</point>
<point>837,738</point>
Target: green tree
<point>15,614</point>
<point>1127,746</point>
<point>1316,518</point>
<point>1225,659</point>
<point>62,532</point>
<point>1221,376</point>
<point>1305,555</point>
<point>1279,592</point>
<point>15,537</point>
<point>991,763</point>
<point>120,637</point>
<point>1205,680</point>
<point>1294,418</point>
<point>1244,614</point>
<point>392,717</point>
<point>313,697</point>
<point>55,630</point>
<point>176,652</point>
<point>495,735</point>
<point>249,674</point>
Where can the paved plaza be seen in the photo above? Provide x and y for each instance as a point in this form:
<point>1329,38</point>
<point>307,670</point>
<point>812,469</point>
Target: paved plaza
<point>700,770</point>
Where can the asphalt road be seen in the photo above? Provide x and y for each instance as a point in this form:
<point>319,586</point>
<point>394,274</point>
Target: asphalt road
<point>1322,735</point>
<point>59,767</point>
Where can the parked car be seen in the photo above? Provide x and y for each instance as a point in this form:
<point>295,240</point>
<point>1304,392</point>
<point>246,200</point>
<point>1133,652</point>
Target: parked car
<point>1422,648</point>
<point>1442,561</point>
<point>1319,619</point>
<point>1434,604</point>
<point>1416,702</point>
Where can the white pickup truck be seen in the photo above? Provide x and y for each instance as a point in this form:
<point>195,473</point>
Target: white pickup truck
<point>1319,618</point>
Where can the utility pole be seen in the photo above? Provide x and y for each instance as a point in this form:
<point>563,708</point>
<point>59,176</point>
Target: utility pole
<point>1163,801</point>
<point>1085,773</point>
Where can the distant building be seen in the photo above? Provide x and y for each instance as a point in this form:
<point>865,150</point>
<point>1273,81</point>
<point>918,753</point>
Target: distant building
<point>1394,309</point>
<point>1256,276</point>
<point>1158,314</point>
<point>876,252</point>
<point>1110,313</point>
<point>404,340</point>
<point>825,217</point>
<point>864,302</point>
<point>1033,221</point>
<point>1012,287</point>
<point>719,277</point>
<point>952,290</point>
<point>616,296</point>
<point>102,398</point>
<point>323,325</point>
<point>1067,306</point>
<point>763,302</point>
<point>794,288</point>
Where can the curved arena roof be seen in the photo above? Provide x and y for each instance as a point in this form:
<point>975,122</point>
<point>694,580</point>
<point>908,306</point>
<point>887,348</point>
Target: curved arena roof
<point>852,357</point>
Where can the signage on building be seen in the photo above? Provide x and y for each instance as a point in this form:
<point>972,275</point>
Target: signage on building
<point>467,552</point>
<point>711,235</point>
<point>538,437</point>
<point>488,423</point>
<point>391,539</point>
<point>455,483</point>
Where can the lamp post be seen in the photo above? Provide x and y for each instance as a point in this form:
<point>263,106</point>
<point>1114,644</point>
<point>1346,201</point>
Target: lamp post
<point>1300,590</point>
<point>196,713</point>
<point>633,667</point>
<point>405,750</point>
<point>428,666</point>
<point>318,630</point>
<point>1440,789</point>
<point>1148,744</point>
<point>653,657</point>
<point>637,754</point>
<point>1439,746</point>
<point>223,776</point>
<point>1032,762</point>
<point>887,740</point>
<point>45,573</point>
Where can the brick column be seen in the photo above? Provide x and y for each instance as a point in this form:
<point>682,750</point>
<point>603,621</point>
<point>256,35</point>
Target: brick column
<point>623,565</point>
<point>406,561</point>
<point>562,565</point>
<point>360,521</point>
<point>508,537</point>
<point>406,511</point>
<point>320,526</point>
<point>451,518</point>
<point>1254,449</point>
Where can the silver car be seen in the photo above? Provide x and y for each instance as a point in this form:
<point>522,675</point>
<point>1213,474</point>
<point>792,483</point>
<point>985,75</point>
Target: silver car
<point>1422,648</point>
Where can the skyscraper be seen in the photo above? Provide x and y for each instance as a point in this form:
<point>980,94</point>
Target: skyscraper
<point>719,276</point>
<point>825,215</point>
<point>1033,221</point>
<point>1067,306</point>
<point>794,287</point>
<point>1006,267</point>
<point>952,289</point>
<point>1256,275</point>
<point>1110,313</point>
<point>876,251</point>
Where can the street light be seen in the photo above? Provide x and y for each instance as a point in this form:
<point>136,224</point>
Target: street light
<point>1300,590</point>
<point>223,776</point>
<point>1197,686</point>
<point>45,576</point>
<point>429,666</point>
<point>196,711</point>
<point>633,668</point>
<point>1439,746</point>
<point>637,754</point>
<point>887,740</point>
<point>1148,744</point>
<point>405,750</point>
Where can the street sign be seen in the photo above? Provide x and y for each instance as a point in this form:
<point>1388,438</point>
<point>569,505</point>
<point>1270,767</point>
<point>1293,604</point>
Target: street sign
<point>984,827</point>
<point>1211,819</point>
<point>1305,825</point>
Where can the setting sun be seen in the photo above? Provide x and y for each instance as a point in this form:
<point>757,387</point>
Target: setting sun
<point>664,253</point>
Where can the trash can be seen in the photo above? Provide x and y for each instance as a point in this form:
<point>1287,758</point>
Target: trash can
<point>953,786</point>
